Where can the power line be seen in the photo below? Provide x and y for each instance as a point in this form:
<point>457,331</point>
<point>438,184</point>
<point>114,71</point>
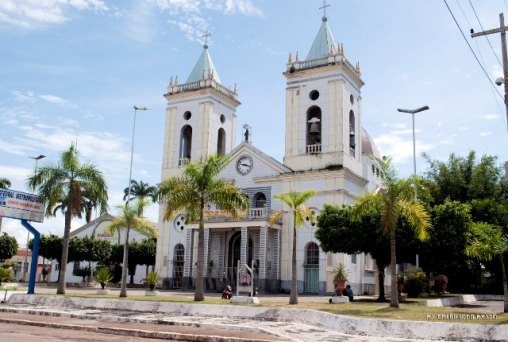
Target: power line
<point>505,5</point>
<point>470,48</point>
<point>486,37</point>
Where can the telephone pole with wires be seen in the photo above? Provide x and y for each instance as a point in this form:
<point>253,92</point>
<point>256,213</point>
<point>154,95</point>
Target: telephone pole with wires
<point>504,80</point>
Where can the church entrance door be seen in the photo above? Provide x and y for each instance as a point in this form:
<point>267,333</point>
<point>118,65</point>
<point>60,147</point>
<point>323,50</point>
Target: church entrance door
<point>234,255</point>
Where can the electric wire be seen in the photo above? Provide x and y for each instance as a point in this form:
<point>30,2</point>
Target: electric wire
<point>486,37</point>
<point>471,49</point>
<point>505,4</point>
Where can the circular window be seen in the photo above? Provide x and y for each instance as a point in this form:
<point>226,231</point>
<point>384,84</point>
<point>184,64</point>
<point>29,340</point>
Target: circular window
<point>179,223</point>
<point>314,95</point>
<point>222,118</point>
<point>187,115</point>
<point>351,99</point>
<point>311,223</point>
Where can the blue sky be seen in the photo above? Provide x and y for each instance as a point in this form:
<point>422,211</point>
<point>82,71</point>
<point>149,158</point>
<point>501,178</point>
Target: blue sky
<point>71,70</point>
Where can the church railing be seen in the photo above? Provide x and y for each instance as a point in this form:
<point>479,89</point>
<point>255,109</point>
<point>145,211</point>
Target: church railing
<point>204,83</point>
<point>183,161</point>
<point>251,214</point>
<point>316,148</point>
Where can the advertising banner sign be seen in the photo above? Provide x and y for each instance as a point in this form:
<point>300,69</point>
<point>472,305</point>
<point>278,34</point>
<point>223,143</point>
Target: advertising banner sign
<point>21,205</point>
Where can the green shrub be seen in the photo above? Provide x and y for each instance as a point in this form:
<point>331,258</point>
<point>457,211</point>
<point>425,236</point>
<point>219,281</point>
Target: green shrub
<point>103,276</point>
<point>5,275</point>
<point>152,278</point>
<point>416,283</point>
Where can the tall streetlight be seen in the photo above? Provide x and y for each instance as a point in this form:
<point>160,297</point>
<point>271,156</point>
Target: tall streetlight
<point>25,264</point>
<point>136,108</point>
<point>413,112</point>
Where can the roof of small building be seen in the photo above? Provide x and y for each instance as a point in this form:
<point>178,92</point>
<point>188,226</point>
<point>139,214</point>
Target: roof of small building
<point>204,68</point>
<point>323,43</point>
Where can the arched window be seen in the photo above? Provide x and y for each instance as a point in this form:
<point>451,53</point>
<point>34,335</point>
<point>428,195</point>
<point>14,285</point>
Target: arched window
<point>313,130</point>
<point>259,200</point>
<point>178,260</point>
<point>221,141</point>
<point>352,133</point>
<point>312,254</point>
<point>185,144</point>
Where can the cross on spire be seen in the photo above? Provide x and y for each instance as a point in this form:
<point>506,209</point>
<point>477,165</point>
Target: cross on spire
<point>325,5</point>
<point>206,35</point>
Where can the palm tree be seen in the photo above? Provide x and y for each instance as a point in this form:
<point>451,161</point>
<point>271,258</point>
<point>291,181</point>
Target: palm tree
<point>140,190</point>
<point>486,242</point>
<point>131,218</point>
<point>395,199</point>
<point>66,183</point>
<point>296,203</point>
<point>4,184</point>
<point>190,192</point>
<point>87,207</point>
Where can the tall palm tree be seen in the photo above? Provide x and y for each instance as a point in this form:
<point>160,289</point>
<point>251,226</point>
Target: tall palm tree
<point>296,203</point>
<point>394,200</point>
<point>4,184</point>
<point>66,183</point>
<point>140,189</point>
<point>190,192</point>
<point>487,241</point>
<point>131,218</point>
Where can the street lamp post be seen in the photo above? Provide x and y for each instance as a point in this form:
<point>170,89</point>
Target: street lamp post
<point>25,263</point>
<point>413,112</point>
<point>136,108</point>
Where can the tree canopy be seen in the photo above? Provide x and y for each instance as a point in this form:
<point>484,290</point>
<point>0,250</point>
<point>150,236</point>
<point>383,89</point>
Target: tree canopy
<point>8,246</point>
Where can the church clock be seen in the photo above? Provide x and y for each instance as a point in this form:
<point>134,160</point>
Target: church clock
<point>244,165</point>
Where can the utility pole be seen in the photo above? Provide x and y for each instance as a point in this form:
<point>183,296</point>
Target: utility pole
<point>502,29</point>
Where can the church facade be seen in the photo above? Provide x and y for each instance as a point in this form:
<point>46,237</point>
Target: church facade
<point>326,149</point>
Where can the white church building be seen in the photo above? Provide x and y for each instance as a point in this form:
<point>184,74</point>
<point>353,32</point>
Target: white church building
<point>326,149</point>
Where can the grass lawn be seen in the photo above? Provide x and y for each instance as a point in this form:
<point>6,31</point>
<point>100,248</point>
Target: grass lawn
<point>409,310</point>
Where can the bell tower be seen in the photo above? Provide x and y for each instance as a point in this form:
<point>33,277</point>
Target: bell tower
<point>200,116</point>
<point>323,103</point>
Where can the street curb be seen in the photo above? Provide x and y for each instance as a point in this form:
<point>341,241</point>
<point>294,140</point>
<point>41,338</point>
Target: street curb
<point>130,332</point>
<point>333,322</point>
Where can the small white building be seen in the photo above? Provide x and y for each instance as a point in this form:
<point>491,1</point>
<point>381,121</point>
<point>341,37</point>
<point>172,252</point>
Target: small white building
<point>97,229</point>
<point>325,149</point>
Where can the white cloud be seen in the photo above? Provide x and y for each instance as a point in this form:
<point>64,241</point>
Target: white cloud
<point>57,100</point>
<point>188,15</point>
<point>244,7</point>
<point>485,134</point>
<point>193,26</point>
<point>398,149</point>
<point>27,97</point>
<point>31,14</point>
<point>463,128</point>
<point>490,116</point>
<point>9,147</point>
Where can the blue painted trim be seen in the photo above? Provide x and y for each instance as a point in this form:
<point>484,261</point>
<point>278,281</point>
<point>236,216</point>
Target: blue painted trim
<point>35,255</point>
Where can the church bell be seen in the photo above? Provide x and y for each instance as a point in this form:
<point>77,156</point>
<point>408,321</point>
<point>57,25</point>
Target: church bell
<point>314,126</point>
